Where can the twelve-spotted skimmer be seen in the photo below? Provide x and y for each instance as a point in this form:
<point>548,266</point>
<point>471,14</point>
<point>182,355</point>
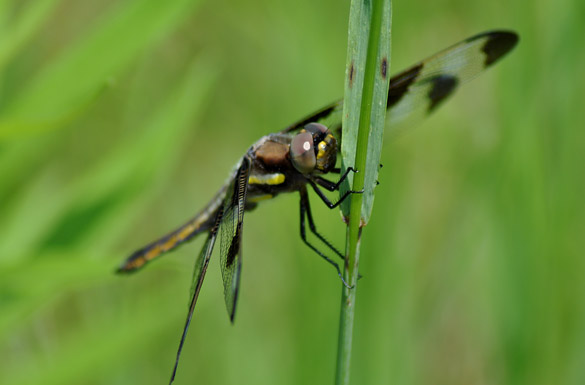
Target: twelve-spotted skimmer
<point>302,153</point>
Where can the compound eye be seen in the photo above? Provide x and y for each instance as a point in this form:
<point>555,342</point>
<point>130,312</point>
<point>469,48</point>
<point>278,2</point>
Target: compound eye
<point>317,129</point>
<point>302,153</point>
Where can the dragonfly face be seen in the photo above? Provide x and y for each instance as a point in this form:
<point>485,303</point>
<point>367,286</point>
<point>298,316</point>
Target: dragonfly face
<point>288,162</point>
<point>303,153</point>
<point>314,149</point>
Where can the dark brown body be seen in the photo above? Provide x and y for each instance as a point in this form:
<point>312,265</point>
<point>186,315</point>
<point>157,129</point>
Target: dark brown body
<point>271,173</point>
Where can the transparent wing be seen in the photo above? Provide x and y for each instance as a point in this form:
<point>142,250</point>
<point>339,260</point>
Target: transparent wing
<point>330,116</point>
<point>419,90</point>
<point>416,92</point>
<point>198,275</point>
<point>231,235</point>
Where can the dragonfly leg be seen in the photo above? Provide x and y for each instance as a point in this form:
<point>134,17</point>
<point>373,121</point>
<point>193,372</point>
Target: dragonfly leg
<point>328,185</point>
<point>313,228</point>
<point>327,201</point>
<point>306,210</point>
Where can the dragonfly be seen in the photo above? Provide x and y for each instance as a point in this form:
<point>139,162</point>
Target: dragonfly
<point>301,155</point>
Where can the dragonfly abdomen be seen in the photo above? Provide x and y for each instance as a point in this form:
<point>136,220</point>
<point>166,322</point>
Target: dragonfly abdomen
<point>203,221</point>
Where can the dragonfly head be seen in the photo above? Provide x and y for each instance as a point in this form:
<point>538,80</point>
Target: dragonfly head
<point>313,149</point>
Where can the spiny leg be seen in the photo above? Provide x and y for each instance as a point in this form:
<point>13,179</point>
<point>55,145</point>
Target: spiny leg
<point>322,238</point>
<point>331,186</point>
<point>313,228</point>
<point>305,209</point>
<point>327,201</point>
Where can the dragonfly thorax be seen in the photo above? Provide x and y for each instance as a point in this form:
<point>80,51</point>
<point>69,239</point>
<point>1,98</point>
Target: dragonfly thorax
<point>313,149</point>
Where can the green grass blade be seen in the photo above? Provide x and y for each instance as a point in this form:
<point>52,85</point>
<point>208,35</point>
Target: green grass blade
<point>60,90</point>
<point>133,173</point>
<point>122,174</point>
<point>377,102</point>
<point>15,34</point>
<point>365,102</point>
<point>374,105</point>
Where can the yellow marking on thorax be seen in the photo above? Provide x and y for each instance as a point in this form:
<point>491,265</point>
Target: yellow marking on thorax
<point>321,152</point>
<point>323,146</point>
<point>271,179</point>
<point>260,198</point>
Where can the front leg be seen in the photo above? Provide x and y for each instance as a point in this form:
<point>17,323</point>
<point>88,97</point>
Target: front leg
<point>327,201</point>
<point>306,211</point>
<point>327,184</point>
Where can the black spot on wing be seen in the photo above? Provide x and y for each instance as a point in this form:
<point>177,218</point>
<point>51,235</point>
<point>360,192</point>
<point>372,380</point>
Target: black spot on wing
<point>400,83</point>
<point>497,45</point>
<point>234,248</point>
<point>442,87</point>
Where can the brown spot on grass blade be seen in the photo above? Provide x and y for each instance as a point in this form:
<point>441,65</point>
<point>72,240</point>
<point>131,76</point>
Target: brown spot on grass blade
<point>384,68</point>
<point>351,73</point>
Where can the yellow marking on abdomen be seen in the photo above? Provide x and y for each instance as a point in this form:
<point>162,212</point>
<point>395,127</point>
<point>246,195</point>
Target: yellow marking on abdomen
<point>185,232</point>
<point>260,198</point>
<point>152,253</point>
<point>169,244</point>
<point>271,179</point>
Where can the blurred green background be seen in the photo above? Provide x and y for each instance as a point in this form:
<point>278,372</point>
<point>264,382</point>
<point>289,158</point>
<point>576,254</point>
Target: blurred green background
<point>120,119</point>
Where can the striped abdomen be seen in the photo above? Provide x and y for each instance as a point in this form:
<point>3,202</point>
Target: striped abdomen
<point>203,221</point>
